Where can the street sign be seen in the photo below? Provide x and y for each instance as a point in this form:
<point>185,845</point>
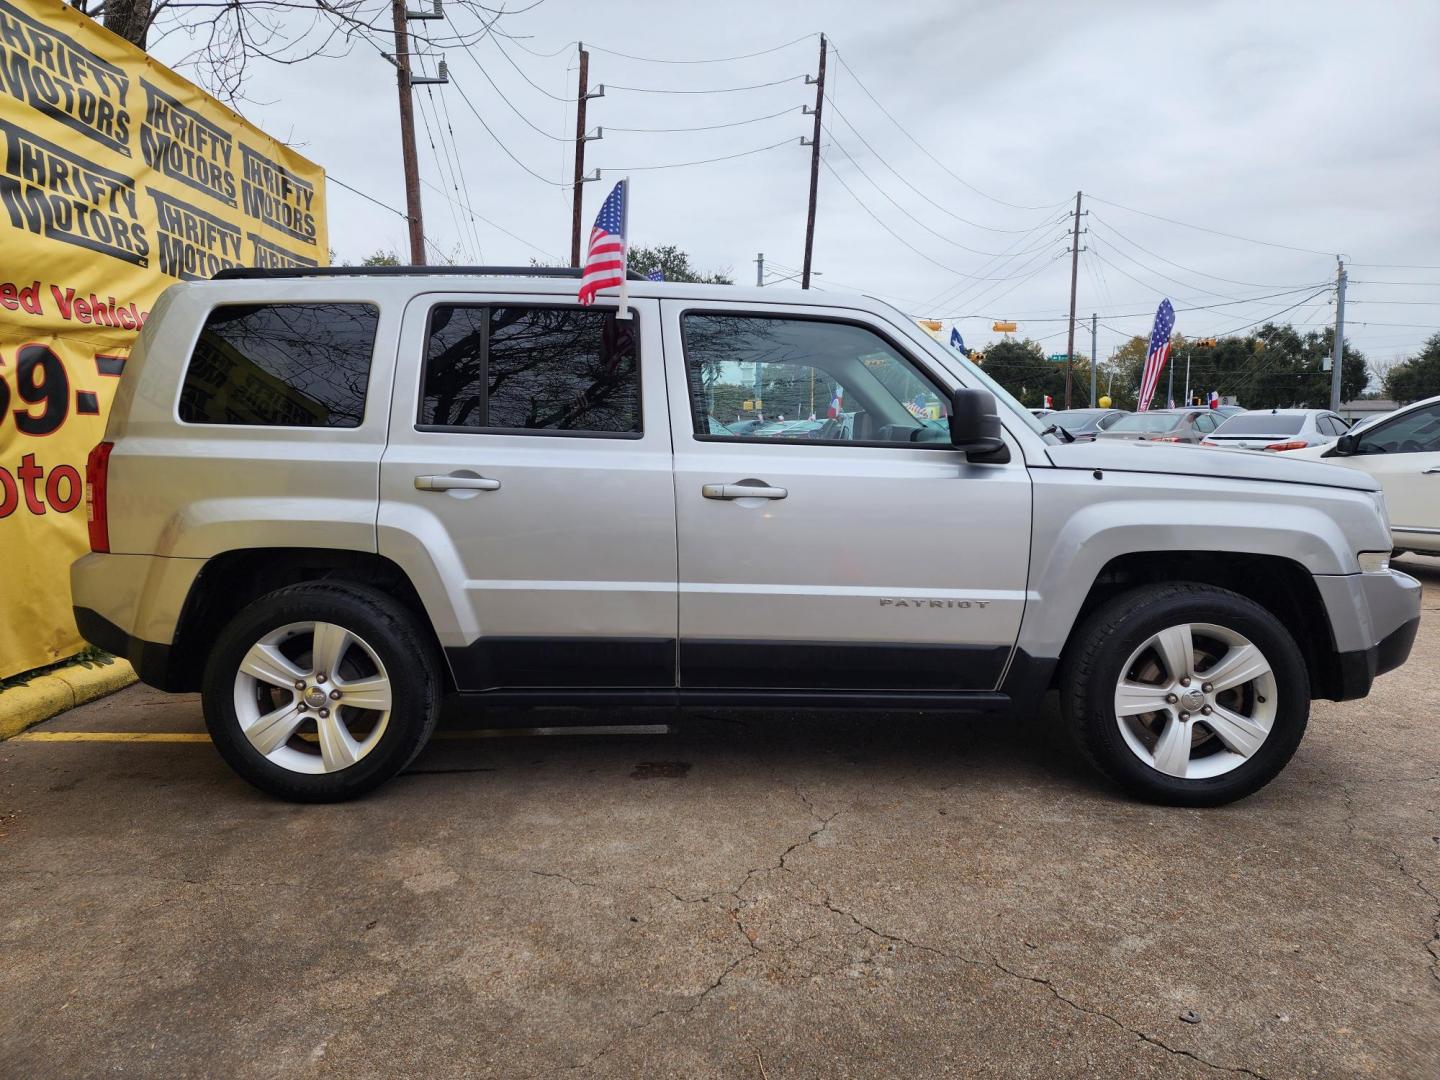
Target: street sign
<point>1060,357</point>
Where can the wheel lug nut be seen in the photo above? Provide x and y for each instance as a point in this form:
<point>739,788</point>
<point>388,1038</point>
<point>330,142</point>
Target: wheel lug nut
<point>1184,716</point>
<point>1208,687</point>
<point>320,677</point>
<point>299,684</point>
<point>1171,699</point>
<point>1207,710</point>
<point>324,713</point>
<point>303,706</point>
<point>335,695</point>
<point>1185,680</point>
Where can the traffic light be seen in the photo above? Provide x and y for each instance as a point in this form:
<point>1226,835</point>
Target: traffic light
<point>933,325</point>
<point>977,356</point>
<point>1205,343</point>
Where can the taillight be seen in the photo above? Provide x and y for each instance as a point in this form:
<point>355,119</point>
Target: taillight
<point>1167,438</point>
<point>97,469</point>
<point>1294,444</point>
<point>1207,442</point>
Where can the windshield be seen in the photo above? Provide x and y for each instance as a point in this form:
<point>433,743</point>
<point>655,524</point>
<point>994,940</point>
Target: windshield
<point>1148,422</point>
<point>1076,419</point>
<point>1262,424</point>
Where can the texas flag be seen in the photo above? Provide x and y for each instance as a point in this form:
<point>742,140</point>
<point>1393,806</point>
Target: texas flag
<point>837,403</point>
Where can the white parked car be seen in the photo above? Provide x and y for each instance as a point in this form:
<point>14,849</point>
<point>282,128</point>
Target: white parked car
<point>1402,451</point>
<point>1279,429</point>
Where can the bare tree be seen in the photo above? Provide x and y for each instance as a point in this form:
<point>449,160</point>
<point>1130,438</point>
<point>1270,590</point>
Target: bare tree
<point>225,36</point>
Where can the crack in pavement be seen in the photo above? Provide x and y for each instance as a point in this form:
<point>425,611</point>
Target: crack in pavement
<point>1433,945</point>
<point>993,964</point>
<point>567,877</point>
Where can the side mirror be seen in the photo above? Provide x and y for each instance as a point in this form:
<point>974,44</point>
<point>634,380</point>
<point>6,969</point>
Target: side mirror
<point>1345,446</point>
<point>975,425</point>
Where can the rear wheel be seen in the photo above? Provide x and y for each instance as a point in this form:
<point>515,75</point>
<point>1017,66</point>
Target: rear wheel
<point>1186,694</point>
<point>321,692</point>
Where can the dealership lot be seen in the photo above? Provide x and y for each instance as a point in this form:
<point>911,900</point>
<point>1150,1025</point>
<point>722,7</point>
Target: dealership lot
<point>765,895</point>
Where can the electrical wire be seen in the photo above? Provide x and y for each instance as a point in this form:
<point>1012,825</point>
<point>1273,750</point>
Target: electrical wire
<point>711,90</point>
<point>466,98</point>
<point>835,143</point>
<point>1206,229</point>
<point>658,60</point>
<point>498,228</point>
<point>1095,219</point>
<point>368,198</point>
<point>515,109</point>
<point>702,161</point>
<point>926,151</point>
<point>495,40</point>
<point>706,127</point>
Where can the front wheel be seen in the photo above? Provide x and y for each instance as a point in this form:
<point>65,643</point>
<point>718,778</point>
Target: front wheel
<point>321,692</point>
<point>1186,694</point>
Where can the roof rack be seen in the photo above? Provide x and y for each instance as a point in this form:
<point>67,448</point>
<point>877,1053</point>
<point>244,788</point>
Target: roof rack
<point>236,272</point>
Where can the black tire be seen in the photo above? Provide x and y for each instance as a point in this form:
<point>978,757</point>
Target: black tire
<point>409,659</point>
<point>1104,642</point>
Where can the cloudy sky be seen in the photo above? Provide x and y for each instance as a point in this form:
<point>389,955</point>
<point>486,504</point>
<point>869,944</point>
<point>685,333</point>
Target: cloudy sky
<point>958,136</point>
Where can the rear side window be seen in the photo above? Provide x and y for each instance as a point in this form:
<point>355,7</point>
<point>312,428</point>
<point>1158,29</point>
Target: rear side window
<point>1263,423</point>
<point>531,369</point>
<point>281,365</point>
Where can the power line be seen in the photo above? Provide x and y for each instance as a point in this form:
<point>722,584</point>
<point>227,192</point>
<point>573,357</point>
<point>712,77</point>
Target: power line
<point>513,108</point>
<point>1096,219</point>
<point>901,177</point>
<point>494,40</point>
<point>1216,232</point>
<point>702,161</point>
<point>465,98</point>
<point>659,60</point>
<point>1150,269</point>
<point>926,151</point>
<point>369,198</point>
<point>711,90</point>
<point>498,228</point>
<point>705,127</point>
<point>889,198</point>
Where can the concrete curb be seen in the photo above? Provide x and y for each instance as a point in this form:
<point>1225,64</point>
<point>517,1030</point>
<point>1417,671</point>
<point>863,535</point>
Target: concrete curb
<point>55,691</point>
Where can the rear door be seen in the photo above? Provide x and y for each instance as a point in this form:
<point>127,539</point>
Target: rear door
<point>848,548</point>
<point>527,490</point>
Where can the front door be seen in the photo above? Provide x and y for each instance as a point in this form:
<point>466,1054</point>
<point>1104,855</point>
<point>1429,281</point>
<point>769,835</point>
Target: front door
<point>830,538</point>
<point>1403,453</point>
<point>526,490</point>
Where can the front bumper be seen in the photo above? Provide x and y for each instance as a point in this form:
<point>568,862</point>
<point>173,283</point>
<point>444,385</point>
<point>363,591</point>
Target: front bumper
<point>1373,620</point>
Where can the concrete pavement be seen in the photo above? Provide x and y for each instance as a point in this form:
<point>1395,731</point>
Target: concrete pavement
<point>751,895</point>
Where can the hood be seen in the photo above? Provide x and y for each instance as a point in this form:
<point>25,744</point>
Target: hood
<point>1179,459</point>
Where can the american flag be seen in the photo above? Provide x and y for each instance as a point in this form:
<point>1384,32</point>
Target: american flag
<point>655,275</point>
<point>605,262</point>
<point>1158,354</point>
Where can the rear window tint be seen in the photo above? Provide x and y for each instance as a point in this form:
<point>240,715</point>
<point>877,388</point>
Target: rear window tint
<point>1148,422</point>
<point>281,365</point>
<point>1263,424</point>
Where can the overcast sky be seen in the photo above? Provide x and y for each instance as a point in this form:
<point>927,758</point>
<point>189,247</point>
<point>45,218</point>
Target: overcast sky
<point>1315,126</point>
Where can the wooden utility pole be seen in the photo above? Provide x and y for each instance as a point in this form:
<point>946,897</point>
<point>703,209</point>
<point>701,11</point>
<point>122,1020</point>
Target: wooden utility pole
<point>581,96</point>
<point>407,136</point>
<point>1074,273</point>
<point>814,168</point>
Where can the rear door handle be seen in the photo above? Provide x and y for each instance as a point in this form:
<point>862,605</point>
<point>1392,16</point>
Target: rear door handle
<point>448,483</point>
<point>742,491</point>
<point>1432,469</point>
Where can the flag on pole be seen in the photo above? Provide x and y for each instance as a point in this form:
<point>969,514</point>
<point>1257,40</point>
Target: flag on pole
<point>1157,355</point>
<point>605,260</point>
<point>1049,402</point>
<point>957,341</point>
<point>837,403</point>
<point>655,275</point>
<point>1214,399</point>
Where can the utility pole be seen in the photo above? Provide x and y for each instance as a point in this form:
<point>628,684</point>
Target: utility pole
<point>819,82</point>
<point>1170,393</point>
<point>582,95</point>
<point>403,82</point>
<point>1338,357</point>
<point>759,269</point>
<point>1074,275</point>
<point>1094,322</point>
<point>1189,350</point>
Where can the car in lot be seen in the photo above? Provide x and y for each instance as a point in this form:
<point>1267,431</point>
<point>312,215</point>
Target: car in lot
<point>1278,430</point>
<point>1163,426</point>
<point>1085,424</point>
<point>1401,450</point>
<point>327,499</point>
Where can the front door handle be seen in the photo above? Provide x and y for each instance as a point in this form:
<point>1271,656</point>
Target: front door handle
<point>1432,469</point>
<point>753,489</point>
<point>448,483</point>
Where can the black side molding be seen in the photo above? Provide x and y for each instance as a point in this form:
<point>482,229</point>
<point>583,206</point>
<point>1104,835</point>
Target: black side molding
<point>150,659</point>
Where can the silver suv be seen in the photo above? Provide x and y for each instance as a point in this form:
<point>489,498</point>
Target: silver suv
<point>329,499</point>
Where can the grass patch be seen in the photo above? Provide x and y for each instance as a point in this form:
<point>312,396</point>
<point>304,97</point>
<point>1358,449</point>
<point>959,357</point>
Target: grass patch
<point>90,656</point>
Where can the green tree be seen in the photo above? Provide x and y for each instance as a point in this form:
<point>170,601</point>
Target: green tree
<point>1024,368</point>
<point>1418,377</point>
<point>674,264</point>
<point>381,258</point>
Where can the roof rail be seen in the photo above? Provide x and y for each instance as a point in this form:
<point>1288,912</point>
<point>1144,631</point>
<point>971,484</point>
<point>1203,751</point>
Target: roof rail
<point>236,272</point>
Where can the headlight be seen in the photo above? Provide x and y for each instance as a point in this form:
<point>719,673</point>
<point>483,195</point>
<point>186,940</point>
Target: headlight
<point>1374,562</point>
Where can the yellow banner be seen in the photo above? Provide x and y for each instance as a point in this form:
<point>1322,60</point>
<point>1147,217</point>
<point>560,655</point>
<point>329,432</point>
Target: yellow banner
<point>117,178</point>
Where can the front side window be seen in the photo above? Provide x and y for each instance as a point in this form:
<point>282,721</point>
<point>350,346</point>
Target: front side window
<point>1416,432</point>
<point>511,368</point>
<point>757,377</point>
<point>281,365</point>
